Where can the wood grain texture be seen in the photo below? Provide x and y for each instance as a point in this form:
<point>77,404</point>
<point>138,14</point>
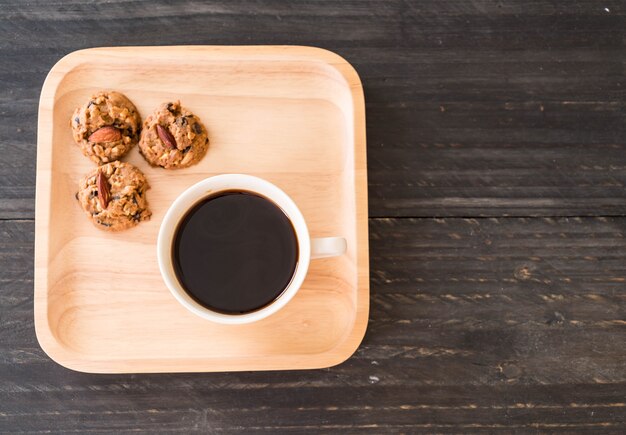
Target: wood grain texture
<point>479,107</point>
<point>477,325</point>
<point>474,108</point>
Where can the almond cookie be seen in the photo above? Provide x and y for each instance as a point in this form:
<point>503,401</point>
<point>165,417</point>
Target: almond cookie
<point>173,137</point>
<point>106,127</point>
<point>114,196</point>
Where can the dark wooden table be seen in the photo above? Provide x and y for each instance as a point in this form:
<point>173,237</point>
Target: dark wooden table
<point>497,164</point>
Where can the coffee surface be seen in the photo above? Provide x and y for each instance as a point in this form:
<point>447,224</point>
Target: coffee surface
<point>235,252</point>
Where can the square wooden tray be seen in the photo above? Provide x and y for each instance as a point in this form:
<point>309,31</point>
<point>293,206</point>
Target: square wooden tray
<point>292,115</point>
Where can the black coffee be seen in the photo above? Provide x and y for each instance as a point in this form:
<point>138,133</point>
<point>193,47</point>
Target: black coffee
<point>235,252</point>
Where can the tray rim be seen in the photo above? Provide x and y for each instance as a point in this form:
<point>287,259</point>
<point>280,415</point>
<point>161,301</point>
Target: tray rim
<point>71,359</point>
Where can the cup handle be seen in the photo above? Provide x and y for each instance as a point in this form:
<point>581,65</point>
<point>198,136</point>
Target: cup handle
<point>324,247</point>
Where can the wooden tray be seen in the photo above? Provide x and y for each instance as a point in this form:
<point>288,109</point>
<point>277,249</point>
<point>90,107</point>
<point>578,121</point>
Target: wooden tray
<point>292,115</point>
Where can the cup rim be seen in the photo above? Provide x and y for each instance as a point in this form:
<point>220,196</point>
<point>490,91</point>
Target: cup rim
<point>211,186</point>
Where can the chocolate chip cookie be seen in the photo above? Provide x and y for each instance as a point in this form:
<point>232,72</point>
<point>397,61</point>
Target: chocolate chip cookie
<point>114,196</point>
<point>173,137</point>
<point>106,127</point>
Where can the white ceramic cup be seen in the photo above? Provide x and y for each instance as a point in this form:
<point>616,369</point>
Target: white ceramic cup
<point>307,248</point>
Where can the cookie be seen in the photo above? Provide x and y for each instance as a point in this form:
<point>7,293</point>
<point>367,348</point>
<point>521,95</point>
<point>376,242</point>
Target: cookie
<point>173,137</point>
<point>114,196</point>
<point>106,127</point>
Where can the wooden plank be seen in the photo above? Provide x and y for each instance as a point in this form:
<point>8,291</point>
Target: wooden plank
<point>190,407</point>
<point>539,298</point>
<point>478,325</point>
<point>474,108</point>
